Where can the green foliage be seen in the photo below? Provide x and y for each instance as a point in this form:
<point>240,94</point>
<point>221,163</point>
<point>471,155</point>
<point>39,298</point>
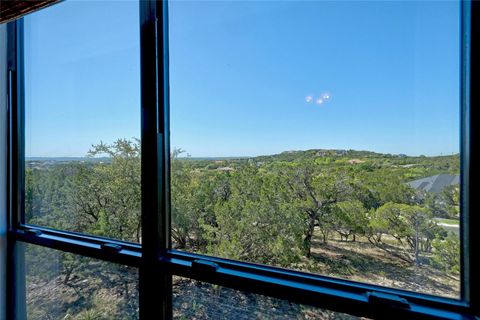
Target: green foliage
<point>268,209</point>
<point>446,253</point>
<point>46,196</point>
<point>257,223</point>
<point>446,203</point>
<point>350,218</point>
<point>314,190</point>
<point>410,223</point>
<point>107,196</point>
<point>194,195</point>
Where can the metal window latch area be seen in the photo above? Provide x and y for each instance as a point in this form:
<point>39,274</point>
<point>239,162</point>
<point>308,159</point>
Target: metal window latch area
<point>111,247</point>
<point>379,298</point>
<point>204,265</point>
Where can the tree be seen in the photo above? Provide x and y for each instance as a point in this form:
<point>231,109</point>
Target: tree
<point>382,186</point>
<point>314,191</point>
<point>47,194</point>
<point>107,196</point>
<point>446,253</point>
<point>349,218</point>
<point>411,225</point>
<point>193,197</point>
<point>445,204</point>
<point>257,223</point>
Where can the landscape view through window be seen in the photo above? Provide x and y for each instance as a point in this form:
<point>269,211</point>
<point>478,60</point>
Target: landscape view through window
<point>316,136</point>
<point>319,136</point>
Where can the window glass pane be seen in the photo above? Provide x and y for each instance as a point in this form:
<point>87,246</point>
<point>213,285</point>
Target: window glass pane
<point>321,136</point>
<point>62,285</point>
<point>199,300</point>
<point>82,118</point>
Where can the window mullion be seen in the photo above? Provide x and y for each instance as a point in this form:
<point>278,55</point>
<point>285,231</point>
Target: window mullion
<point>470,139</point>
<point>16,296</point>
<point>155,283</point>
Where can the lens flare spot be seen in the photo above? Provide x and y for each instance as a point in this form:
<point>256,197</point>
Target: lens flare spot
<point>326,96</point>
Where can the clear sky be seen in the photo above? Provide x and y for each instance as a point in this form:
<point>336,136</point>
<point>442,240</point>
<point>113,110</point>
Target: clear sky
<point>251,78</point>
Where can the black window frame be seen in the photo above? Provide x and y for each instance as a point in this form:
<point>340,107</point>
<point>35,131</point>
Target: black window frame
<point>158,263</point>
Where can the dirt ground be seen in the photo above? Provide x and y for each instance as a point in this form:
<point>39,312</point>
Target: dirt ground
<point>200,301</point>
<point>361,261</point>
<point>86,297</point>
<point>358,261</point>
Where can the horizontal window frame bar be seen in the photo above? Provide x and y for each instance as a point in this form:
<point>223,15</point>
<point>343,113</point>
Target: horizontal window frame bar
<point>335,294</point>
<point>310,289</point>
<point>77,243</point>
<point>313,279</point>
<point>81,236</point>
<point>130,255</point>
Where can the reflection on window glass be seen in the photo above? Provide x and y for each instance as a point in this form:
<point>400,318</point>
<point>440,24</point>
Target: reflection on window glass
<point>62,285</point>
<point>82,118</point>
<point>199,300</point>
<point>320,136</point>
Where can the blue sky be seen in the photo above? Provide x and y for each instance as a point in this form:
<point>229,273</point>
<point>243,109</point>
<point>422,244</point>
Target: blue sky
<point>241,74</point>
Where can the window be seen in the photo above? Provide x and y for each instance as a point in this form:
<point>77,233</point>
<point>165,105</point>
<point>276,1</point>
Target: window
<point>227,226</point>
<point>316,145</point>
<point>62,285</point>
<point>83,81</point>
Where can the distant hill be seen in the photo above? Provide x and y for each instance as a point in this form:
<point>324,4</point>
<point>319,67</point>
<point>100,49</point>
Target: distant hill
<point>340,153</point>
<point>419,166</point>
<point>67,159</point>
<point>214,158</point>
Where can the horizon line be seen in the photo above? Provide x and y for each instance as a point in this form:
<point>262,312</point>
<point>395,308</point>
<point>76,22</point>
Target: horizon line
<point>261,155</point>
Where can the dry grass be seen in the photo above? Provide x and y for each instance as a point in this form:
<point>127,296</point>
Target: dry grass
<point>361,261</point>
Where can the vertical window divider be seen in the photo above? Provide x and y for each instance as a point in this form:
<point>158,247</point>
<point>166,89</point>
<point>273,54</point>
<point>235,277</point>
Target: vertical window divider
<point>16,283</point>
<point>470,98</point>
<point>155,281</point>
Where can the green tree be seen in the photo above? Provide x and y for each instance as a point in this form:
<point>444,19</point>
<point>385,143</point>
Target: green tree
<point>47,193</point>
<point>257,223</point>
<point>411,225</point>
<point>107,196</point>
<point>446,253</point>
<point>194,194</point>
<point>349,218</point>
<point>315,189</point>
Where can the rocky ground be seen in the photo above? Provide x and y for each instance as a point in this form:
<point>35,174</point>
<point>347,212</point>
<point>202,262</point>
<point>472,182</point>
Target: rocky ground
<point>96,290</point>
<point>363,262</point>
<point>197,300</point>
